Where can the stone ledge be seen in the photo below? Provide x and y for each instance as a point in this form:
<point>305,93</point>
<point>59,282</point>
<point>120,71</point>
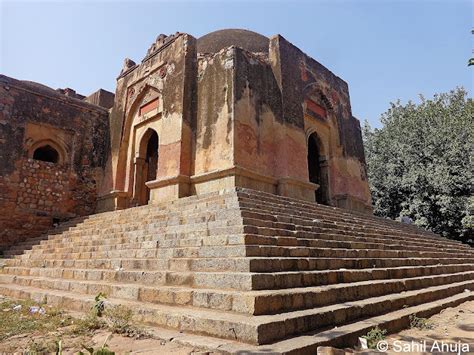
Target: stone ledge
<point>114,200</point>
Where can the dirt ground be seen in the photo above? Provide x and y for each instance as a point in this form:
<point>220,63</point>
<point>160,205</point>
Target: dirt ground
<point>452,328</point>
<point>116,343</point>
<point>23,332</point>
<point>452,325</point>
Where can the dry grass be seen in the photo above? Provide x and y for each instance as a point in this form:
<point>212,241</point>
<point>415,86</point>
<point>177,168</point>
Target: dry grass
<point>22,321</point>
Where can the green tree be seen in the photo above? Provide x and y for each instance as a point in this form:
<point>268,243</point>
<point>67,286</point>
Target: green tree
<point>420,163</point>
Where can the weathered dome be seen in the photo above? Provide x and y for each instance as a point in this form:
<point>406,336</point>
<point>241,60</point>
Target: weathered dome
<point>251,41</point>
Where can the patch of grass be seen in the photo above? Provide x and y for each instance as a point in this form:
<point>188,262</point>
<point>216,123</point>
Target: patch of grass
<point>44,346</point>
<point>16,322</point>
<point>89,323</point>
<point>420,323</point>
<point>120,322</point>
<point>374,336</point>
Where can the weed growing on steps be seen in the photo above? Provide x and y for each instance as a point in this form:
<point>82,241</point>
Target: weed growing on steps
<point>88,324</point>
<point>119,320</point>
<point>99,304</point>
<point>374,336</point>
<point>420,323</point>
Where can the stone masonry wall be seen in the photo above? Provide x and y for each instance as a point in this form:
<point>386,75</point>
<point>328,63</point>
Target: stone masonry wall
<point>42,186</point>
<point>34,193</point>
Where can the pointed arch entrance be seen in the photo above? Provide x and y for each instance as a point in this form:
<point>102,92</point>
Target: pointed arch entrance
<point>146,166</point>
<point>318,168</point>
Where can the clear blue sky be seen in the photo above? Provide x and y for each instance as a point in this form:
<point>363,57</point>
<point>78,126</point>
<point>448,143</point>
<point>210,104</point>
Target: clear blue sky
<point>385,50</point>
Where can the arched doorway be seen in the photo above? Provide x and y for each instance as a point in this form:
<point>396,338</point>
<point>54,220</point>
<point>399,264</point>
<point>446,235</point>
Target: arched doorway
<point>318,169</point>
<point>46,153</point>
<point>146,166</point>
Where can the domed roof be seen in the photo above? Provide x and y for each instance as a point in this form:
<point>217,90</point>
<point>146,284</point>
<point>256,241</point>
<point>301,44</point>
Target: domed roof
<point>251,41</point>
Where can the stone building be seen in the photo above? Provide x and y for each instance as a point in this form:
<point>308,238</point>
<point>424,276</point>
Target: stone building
<point>232,108</point>
<point>222,144</point>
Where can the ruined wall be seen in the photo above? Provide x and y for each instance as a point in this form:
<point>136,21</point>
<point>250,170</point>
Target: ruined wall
<point>33,192</point>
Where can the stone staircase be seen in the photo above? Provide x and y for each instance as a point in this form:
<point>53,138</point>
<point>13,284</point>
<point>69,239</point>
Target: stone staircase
<point>263,272</point>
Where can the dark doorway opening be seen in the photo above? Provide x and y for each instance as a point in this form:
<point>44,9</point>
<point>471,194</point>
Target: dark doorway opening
<point>317,169</point>
<point>46,153</point>
<point>151,161</point>
<point>146,166</point>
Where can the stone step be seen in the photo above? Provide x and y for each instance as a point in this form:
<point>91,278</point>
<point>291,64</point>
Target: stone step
<point>238,264</point>
<point>235,280</point>
<point>262,329</point>
<point>223,251</point>
<point>142,287</point>
<point>345,335</point>
<point>282,264</point>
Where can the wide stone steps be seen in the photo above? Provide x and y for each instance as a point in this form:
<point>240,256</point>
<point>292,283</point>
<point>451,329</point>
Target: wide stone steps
<point>242,264</point>
<point>307,344</point>
<point>278,232</point>
<point>345,228</point>
<point>152,241</point>
<point>236,280</point>
<point>222,251</point>
<point>262,329</point>
<point>141,286</point>
<point>136,236</point>
<point>307,227</point>
<point>315,211</point>
<point>300,206</point>
<point>264,231</point>
<point>323,218</point>
<point>187,212</point>
<point>291,237</point>
<point>27,244</point>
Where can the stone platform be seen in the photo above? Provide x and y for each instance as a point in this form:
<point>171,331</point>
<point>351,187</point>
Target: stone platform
<point>260,272</point>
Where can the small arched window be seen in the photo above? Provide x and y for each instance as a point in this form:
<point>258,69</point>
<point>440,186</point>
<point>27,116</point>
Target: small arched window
<point>46,153</point>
